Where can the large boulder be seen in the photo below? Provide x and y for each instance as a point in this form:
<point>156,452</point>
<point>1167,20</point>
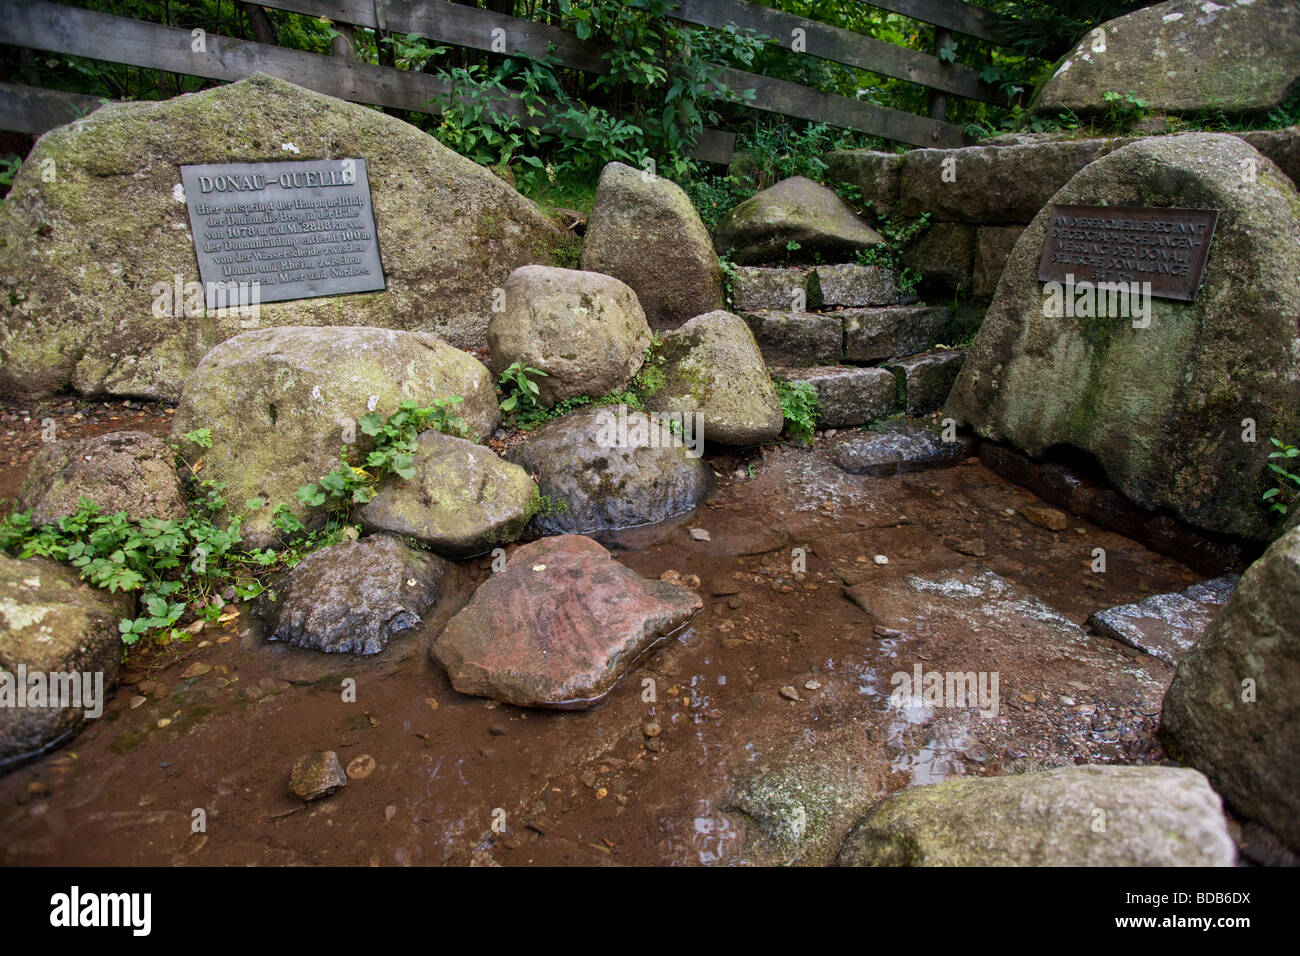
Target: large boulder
<point>280,404</point>
<point>644,231</point>
<point>1233,710</point>
<point>612,467</point>
<point>585,330</point>
<point>713,365</point>
<point>462,500</point>
<point>559,626</point>
<point>795,211</point>
<point>1160,407</point>
<point>353,596</point>
<point>52,623</point>
<point>1073,816</point>
<point>82,248</point>
<point>1184,57</point>
<point>121,471</point>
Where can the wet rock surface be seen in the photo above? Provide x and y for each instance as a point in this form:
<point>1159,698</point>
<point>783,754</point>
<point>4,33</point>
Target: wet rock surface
<point>1167,626</point>
<point>120,471</point>
<point>317,775</point>
<point>1149,816</point>
<point>353,597</point>
<point>926,380</point>
<point>559,626</point>
<point>897,447</point>
<point>595,484</point>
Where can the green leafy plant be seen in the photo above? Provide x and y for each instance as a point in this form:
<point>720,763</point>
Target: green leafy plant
<point>521,392</point>
<point>1283,494</point>
<point>1123,109</point>
<point>799,405</point>
<point>898,233</point>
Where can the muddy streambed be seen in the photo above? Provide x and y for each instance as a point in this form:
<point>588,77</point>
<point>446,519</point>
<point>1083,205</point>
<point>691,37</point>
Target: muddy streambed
<point>738,771</point>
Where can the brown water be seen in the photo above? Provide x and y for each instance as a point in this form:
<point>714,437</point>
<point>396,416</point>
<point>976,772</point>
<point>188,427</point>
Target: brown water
<point>590,787</point>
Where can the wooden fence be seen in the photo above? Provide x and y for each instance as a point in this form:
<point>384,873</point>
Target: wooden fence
<point>74,31</point>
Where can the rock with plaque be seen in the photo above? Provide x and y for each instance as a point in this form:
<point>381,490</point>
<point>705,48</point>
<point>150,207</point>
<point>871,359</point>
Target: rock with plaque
<point>284,230</point>
<point>1128,244</point>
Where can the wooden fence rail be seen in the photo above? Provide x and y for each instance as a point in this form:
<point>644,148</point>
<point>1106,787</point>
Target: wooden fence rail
<point>75,31</point>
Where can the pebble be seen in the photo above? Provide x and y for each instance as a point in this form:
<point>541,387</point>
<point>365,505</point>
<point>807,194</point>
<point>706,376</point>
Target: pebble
<point>587,778</point>
<point>812,685</point>
<point>654,745</point>
<point>651,728</point>
<point>498,730</point>
<point>361,767</point>
<point>1067,701</point>
<point>699,534</point>
<point>137,701</point>
<point>197,669</point>
<point>789,693</point>
<point>881,559</point>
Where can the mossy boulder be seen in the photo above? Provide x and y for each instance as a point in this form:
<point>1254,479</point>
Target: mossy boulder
<point>121,471</point>
<point>1160,407</point>
<point>585,330</point>
<point>1246,736</point>
<point>51,622</point>
<point>96,218</point>
<point>462,500</point>
<point>1071,816</point>
<point>1183,57</point>
<point>282,404</point>
<point>611,467</point>
<point>712,365</point>
<point>644,231</point>
<point>795,211</point>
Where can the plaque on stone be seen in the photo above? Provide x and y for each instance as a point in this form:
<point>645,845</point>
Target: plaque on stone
<point>1128,244</point>
<point>267,232</point>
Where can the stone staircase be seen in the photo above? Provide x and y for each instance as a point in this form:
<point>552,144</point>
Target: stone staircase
<point>866,347</point>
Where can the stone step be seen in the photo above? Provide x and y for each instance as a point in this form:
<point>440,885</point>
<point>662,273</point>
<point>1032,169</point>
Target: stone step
<point>867,336</point>
<point>847,395</point>
<point>843,285</point>
<point>898,447</point>
<point>924,381</point>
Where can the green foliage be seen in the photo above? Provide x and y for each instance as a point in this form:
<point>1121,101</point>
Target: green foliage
<point>178,567</point>
<point>897,234</point>
<point>1123,109</point>
<point>799,405</point>
<point>520,390</point>
<point>1286,483</point>
<point>395,441</point>
<point>9,166</point>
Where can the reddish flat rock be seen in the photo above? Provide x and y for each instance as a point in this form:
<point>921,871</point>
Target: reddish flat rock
<point>559,626</point>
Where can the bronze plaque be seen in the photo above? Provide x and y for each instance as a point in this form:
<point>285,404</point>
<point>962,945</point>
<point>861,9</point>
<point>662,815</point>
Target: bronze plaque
<point>1129,244</point>
<point>290,230</point>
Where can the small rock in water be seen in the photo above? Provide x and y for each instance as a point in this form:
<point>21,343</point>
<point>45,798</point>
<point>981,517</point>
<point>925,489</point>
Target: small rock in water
<point>651,729</point>
<point>881,559</point>
<point>197,669</point>
<point>789,693</point>
<point>361,767</point>
<point>498,730</point>
<point>812,685</point>
<point>1048,518</point>
<point>699,534</point>
<point>316,775</point>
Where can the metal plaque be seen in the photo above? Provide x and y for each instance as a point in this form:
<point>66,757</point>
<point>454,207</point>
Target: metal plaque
<point>282,230</point>
<point>1129,244</point>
